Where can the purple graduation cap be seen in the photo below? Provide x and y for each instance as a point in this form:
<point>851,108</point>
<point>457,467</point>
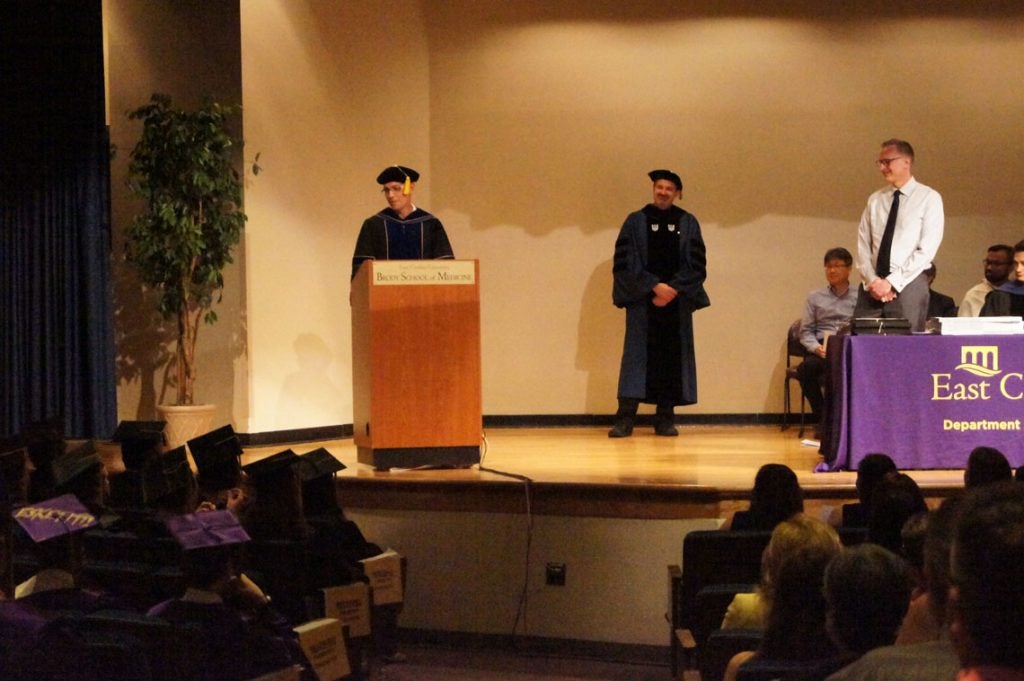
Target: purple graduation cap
<point>207,530</point>
<point>54,518</point>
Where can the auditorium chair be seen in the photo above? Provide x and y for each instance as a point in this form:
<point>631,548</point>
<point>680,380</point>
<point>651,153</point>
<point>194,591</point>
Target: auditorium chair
<point>710,557</point>
<point>716,564</point>
<point>794,351</point>
<point>721,645</point>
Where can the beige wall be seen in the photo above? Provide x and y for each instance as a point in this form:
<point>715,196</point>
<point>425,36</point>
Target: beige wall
<point>187,50</point>
<point>534,125</point>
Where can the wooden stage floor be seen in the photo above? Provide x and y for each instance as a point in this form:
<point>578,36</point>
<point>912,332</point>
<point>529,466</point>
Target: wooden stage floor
<point>707,471</point>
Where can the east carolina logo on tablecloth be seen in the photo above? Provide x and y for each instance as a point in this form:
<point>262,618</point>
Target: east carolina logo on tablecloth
<point>982,361</point>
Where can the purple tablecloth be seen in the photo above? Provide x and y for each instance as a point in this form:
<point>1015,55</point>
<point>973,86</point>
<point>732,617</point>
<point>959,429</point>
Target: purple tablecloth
<point>926,401</point>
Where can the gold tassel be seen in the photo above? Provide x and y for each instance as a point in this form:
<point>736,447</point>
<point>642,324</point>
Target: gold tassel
<point>407,187</point>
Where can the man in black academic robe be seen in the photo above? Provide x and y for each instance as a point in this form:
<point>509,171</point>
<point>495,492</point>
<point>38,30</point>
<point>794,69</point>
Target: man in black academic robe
<point>401,231</point>
<point>659,270</point>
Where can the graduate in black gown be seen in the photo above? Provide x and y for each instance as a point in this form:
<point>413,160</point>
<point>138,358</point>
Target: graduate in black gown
<point>659,270</point>
<point>401,231</point>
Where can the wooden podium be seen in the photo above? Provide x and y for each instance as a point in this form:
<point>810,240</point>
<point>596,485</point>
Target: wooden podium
<point>416,363</point>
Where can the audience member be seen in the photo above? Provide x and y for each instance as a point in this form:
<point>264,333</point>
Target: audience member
<point>244,637</point>
<point>987,599</point>
<point>923,650</point>
<point>56,587</point>
<point>1018,475</point>
<point>871,469</point>
<point>912,536</point>
<point>776,497</point>
<point>218,457</point>
<point>986,465</point>
<point>795,604</point>
<point>867,589</point>
<point>998,265</point>
<point>15,471</point>
<point>826,311</point>
<point>894,500</point>
<point>1008,299</point>
<point>45,441</point>
<point>939,304</point>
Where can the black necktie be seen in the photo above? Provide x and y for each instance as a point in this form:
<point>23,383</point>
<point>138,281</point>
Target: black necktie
<point>882,267</point>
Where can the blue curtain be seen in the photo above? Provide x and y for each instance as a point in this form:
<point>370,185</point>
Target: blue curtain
<point>56,324</point>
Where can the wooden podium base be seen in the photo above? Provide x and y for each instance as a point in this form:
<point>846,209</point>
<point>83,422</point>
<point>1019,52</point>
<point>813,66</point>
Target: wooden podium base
<point>383,459</point>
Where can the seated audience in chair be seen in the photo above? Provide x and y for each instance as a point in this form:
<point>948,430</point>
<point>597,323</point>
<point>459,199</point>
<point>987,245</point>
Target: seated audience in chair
<point>795,620</point>
<point>987,599</point>
<point>871,469</point>
<point>998,264</point>
<point>912,538</point>
<point>776,497</point>
<point>868,591</point>
<point>826,310</point>
<point>893,501</point>
<point>986,465</point>
<point>923,650</point>
<point>244,637</point>
<point>939,304</point>
<point>1008,299</point>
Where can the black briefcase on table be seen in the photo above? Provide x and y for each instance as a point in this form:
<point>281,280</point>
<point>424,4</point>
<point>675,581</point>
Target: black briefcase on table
<point>872,326</point>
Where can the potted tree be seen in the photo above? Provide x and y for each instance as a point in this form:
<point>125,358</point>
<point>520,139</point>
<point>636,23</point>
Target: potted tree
<point>185,168</point>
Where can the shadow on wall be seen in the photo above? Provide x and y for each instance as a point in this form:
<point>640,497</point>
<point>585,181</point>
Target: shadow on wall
<point>600,337</point>
<point>308,396</point>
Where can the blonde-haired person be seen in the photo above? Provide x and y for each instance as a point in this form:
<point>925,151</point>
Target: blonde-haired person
<point>749,610</point>
<point>791,602</point>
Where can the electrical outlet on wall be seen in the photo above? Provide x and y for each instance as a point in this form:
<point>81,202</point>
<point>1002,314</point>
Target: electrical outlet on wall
<point>555,574</point>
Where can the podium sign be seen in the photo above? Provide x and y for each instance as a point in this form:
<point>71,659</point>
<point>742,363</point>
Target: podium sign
<point>416,372</point>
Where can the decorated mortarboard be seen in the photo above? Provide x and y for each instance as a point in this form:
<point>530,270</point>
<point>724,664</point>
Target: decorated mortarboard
<point>140,440</point>
<point>318,463</point>
<point>54,518</point>
<point>75,462</point>
<point>165,473</point>
<point>207,530</point>
<point>399,174</point>
<point>662,174</point>
<point>271,468</point>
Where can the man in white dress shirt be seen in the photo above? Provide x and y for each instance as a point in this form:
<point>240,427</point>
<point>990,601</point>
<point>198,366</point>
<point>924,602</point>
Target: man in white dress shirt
<point>899,235</point>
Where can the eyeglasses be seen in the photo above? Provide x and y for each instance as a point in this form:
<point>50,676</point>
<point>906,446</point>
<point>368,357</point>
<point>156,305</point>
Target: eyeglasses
<point>996,263</point>
<point>885,162</point>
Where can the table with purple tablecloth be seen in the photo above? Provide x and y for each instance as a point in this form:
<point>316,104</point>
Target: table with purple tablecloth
<point>926,401</point>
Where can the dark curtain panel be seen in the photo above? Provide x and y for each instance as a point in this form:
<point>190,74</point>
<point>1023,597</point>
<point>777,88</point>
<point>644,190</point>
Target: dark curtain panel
<point>56,327</point>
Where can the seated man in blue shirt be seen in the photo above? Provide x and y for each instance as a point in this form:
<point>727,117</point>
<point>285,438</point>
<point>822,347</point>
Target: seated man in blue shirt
<point>825,312</point>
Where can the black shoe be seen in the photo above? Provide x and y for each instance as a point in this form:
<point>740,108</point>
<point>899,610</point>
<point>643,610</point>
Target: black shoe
<point>666,429</point>
<point>622,428</point>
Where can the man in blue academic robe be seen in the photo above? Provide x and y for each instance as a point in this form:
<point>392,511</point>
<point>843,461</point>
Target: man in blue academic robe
<point>659,270</point>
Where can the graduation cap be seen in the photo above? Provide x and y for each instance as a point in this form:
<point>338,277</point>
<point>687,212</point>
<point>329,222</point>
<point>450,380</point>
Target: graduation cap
<point>318,463</point>
<point>75,462</point>
<point>207,530</point>
<point>656,175</point>
<point>140,440</point>
<point>218,457</point>
<point>272,469</point>
<point>165,473</point>
<point>57,517</point>
<point>399,174</point>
